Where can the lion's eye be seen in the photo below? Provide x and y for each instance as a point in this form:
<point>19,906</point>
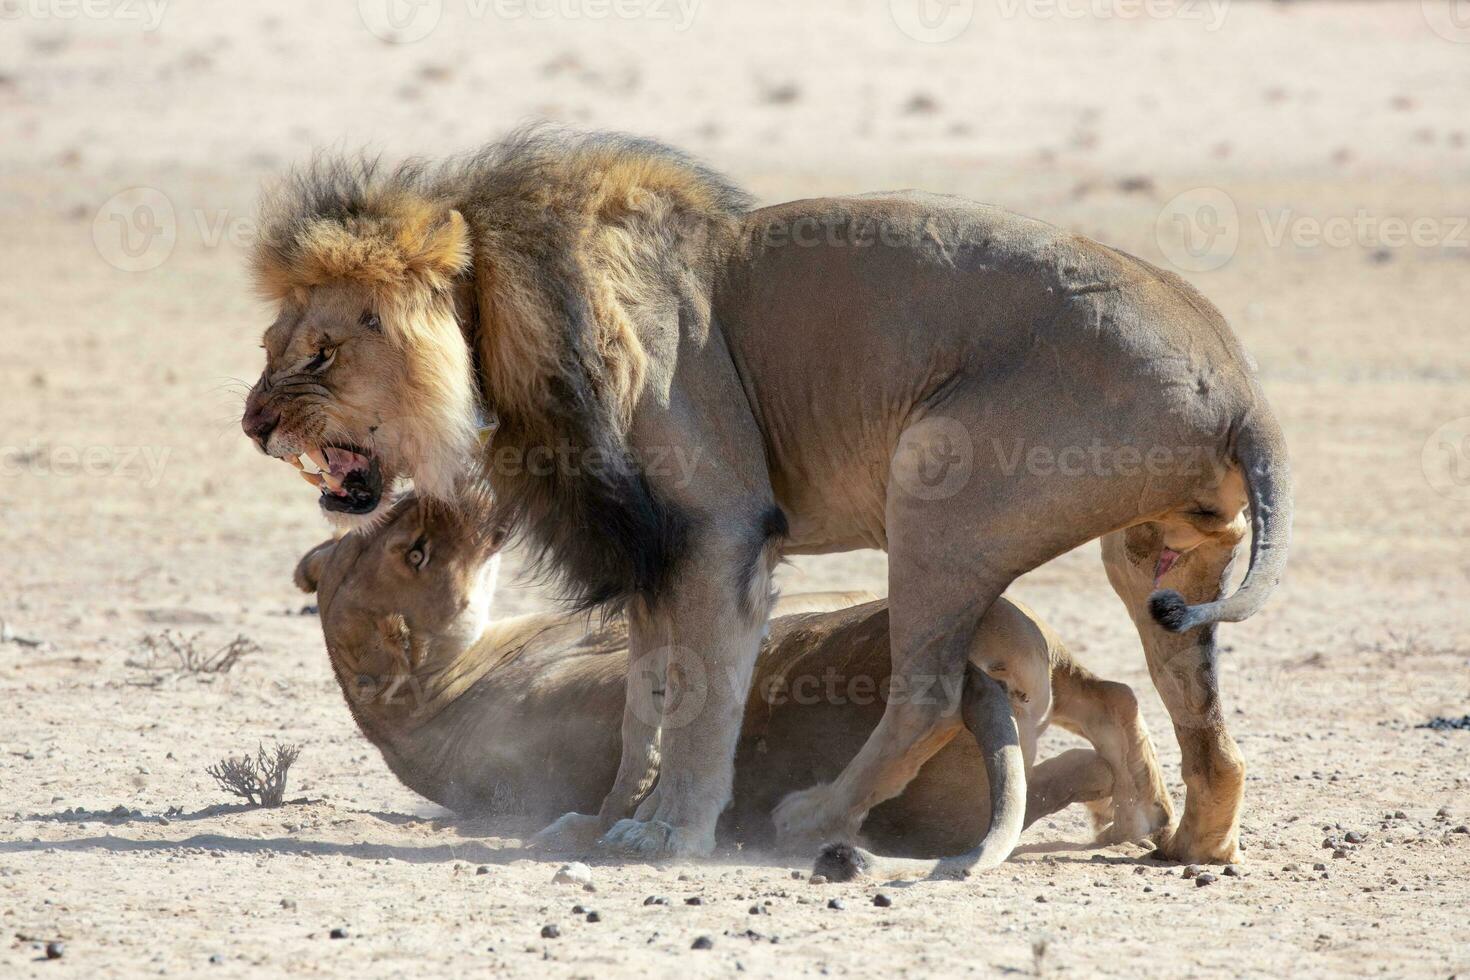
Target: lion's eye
<point>322,359</point>
<point>371,321</point>
<point>418,556</point>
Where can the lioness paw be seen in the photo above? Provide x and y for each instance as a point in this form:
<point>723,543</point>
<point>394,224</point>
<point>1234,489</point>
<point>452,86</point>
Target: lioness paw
<point>812,815</point>
<point>568,832</point>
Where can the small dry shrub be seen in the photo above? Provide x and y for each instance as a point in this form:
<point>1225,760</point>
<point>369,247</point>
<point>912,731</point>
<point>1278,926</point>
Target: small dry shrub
<point>169,654</point>
<point>260,780</point>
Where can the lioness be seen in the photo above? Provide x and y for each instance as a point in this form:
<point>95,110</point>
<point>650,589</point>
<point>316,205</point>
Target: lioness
<point>523,714</point>
<point>686,389</point>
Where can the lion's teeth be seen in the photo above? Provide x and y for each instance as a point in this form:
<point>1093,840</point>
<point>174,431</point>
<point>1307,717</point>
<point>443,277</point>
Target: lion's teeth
<point>331,480</point>
<point>315,479</point>
<point>296,462</point>
<point>320,459</point>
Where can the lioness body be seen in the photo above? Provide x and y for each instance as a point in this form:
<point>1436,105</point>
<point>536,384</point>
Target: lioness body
<point>876,371</point>
<point>525,717</point>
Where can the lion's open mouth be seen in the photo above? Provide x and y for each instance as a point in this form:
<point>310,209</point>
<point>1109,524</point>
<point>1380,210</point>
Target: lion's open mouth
<point>349,478</point>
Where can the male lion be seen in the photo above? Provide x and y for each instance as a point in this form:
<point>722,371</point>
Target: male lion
<point>523,714</point>
<point>704,387</point>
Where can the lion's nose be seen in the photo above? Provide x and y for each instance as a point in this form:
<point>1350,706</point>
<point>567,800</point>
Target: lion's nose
<point>259,422</point>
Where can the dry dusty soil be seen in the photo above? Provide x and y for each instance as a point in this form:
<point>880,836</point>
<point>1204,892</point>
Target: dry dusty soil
<point>1308,141</point>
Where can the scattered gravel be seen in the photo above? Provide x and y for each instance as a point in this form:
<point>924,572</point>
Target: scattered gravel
<point>703,942</point>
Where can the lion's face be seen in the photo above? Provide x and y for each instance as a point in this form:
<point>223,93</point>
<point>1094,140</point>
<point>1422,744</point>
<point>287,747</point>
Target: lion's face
<point>414,591</point>
<point>368,393</point>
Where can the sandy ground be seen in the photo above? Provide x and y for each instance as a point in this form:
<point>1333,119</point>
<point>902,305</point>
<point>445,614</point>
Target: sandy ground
<point>132,141</point>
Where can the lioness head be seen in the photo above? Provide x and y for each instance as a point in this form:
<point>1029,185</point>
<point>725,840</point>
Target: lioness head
<point>411,593</point>
<point>367,375</point>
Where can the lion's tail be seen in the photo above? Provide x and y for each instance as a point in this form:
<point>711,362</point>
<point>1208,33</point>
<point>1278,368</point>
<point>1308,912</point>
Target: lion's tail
<point>1260,450</point>
<point>986,710</point>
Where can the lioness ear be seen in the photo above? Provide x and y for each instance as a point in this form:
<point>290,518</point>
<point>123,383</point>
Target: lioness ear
<point>309,568</point>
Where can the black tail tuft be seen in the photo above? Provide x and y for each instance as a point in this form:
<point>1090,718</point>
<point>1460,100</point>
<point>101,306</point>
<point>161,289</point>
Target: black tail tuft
<point>840,862</point>
<point>1169,610</point>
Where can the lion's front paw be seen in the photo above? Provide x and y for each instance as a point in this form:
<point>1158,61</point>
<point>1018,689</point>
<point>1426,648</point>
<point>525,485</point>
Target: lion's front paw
<point>655,840</point>
<point>568,832</point>
<point>812,815</point>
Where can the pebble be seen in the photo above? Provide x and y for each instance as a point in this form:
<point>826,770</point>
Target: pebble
<point>882,901</point>
<point>693,900</point>
<point>797,875</point>
<point>818,879</point>
<point>1203,879</point>
<point>1462,829</point>
<point>1192,871</point>
<point>216,959</point>
<point>1355,837</point>
<point>55,950</point>
<point>550,931</point>
<point>703,942</point>
<point>575,873</point>
<point>594,916</point>
<point>338,933</point>
<point>1233,871</point>
<point>579,909</point>
<point>482,870</point>
<point>836,903</point>
<point>655,900</point>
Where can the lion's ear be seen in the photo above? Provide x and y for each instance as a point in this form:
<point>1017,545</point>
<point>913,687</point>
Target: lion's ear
<point>309,568</point>
<point>439,250</point>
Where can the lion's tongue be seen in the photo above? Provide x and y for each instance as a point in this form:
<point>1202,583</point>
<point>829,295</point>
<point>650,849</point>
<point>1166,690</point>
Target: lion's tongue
<point>340,462</point>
